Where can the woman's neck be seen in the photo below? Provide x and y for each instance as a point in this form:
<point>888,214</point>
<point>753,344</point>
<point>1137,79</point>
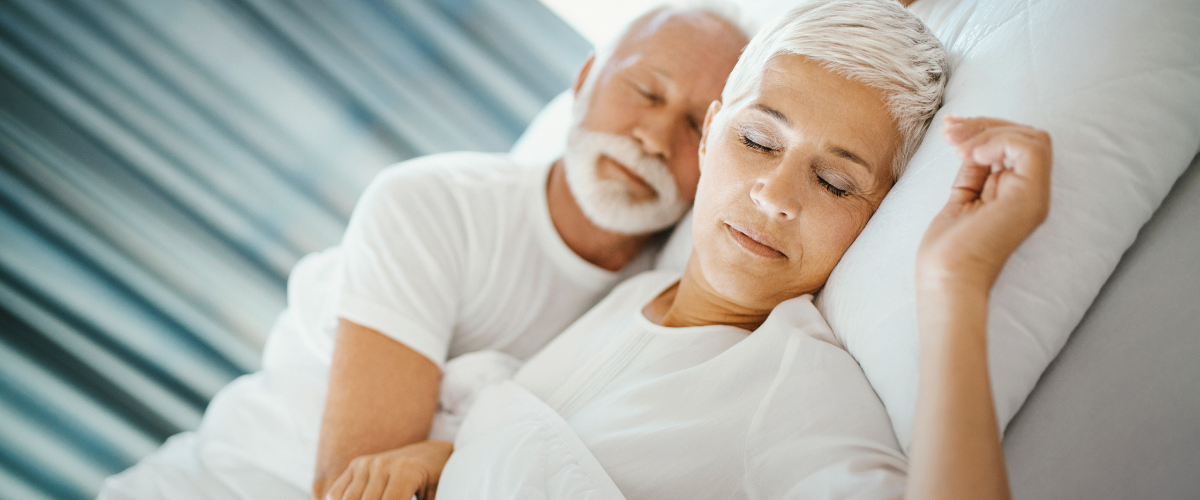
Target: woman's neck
<point>694,302</point>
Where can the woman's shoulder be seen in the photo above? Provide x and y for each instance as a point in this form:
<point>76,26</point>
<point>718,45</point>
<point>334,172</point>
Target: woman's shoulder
<point>799,316</point>
<point>820,415</point>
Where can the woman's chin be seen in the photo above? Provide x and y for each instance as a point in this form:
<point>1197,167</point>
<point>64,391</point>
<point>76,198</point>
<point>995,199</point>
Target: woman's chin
<point>743,278</point>
<point>750,288</point>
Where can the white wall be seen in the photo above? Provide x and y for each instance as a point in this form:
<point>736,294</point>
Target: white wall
<point>599,20</point>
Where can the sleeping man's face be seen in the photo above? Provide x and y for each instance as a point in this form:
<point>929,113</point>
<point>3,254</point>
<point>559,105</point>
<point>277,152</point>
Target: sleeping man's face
<point>631,158</point>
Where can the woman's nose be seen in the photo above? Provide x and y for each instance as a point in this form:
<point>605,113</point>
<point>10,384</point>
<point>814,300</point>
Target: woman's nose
<point>777,197</point>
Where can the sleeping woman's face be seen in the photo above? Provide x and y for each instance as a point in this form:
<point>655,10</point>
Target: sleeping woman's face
<point>788,178</point>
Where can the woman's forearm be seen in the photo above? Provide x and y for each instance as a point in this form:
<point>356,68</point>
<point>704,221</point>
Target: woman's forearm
<point>1000,195</point>
<point>956,451</point>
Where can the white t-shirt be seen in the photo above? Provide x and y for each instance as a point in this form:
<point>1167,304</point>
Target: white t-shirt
<point>716,411</point>
<point>448,254</point>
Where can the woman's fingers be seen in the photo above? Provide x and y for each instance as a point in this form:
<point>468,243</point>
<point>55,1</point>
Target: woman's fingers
<point>1003,161</point>
<point>1002,144</point>
<point>968,184</point>
<point>1019,159</point>
<point>991,187</point>
<point>1000,195</point>
<point>1022,149</point>
<point>958,129</point>
<point>999,145</point>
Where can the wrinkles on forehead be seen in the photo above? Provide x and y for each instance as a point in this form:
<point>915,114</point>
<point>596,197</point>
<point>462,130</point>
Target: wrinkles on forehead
<point>654,21</point>
<point>672,22</point>
<point>672,58</point>
<point>681,45</point>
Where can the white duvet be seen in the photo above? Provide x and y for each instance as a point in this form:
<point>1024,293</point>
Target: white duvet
<point>512,445</point>
<point>617,407</point>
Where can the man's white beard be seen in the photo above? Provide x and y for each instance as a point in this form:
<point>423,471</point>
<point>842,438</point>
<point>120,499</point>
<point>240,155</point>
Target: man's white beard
<point>610,203</point>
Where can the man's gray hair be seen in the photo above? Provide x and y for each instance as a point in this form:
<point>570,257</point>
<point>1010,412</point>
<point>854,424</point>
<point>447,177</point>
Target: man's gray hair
<point>876,42</point>
<point>725,10</point>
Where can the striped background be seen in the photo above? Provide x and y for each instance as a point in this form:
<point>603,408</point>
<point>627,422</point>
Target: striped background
<point>164,163</point>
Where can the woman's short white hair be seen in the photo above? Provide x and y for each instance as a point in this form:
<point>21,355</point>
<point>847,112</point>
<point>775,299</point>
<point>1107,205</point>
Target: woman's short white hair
<point>876,42</point>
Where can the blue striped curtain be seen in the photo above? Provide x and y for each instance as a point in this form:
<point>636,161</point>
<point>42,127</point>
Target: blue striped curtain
<point>164,163</point>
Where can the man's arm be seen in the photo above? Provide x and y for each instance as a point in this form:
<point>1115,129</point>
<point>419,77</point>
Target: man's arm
<point>382,396</point>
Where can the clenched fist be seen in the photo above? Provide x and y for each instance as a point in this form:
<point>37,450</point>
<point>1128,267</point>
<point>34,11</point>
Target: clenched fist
<point>1001,194</point>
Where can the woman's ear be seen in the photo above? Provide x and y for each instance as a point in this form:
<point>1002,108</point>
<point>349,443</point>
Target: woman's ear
<point>583,74</point>
<point>708,118</point>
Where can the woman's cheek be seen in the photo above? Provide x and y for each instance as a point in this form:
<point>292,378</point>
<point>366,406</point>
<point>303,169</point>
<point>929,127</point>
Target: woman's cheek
<point>718,191</point>
<point>845,224</point>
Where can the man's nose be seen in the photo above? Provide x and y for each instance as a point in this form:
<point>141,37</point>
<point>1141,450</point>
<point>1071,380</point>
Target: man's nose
<point>654,131</point>
<point>777,194</point>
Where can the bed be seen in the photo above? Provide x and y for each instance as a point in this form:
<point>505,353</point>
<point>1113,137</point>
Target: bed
<point>1117,414</point>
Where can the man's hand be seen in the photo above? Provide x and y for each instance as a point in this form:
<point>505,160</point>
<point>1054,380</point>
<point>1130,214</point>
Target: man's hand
<point>394,475</point>
<point>382,397</point>
<point>1001,194</point>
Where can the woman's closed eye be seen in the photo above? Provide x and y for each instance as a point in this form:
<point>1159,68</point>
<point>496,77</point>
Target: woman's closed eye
<point>754,145</point>
<point>758,137</point>
<point>831,188</point>
<point>834,181</point>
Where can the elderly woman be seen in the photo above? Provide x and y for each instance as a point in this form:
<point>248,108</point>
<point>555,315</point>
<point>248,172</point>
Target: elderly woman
<point>725,382</point>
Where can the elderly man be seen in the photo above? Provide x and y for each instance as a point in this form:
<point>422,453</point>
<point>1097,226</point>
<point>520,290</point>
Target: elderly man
<point>450,254</point>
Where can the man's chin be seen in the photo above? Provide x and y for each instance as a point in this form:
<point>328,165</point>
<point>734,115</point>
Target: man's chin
<point>631,221</point>
<point>633,185</point>
<point>612,205</point>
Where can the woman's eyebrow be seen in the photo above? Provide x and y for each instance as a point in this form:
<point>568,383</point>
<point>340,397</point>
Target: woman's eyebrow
<point>845,153</point>
<point>773,113</point>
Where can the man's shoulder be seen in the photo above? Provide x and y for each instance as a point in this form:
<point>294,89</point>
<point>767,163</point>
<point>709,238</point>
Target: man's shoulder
<point>463,190</point>
<point>458,170</point>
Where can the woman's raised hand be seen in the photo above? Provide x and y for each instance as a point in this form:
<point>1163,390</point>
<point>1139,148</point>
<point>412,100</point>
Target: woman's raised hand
<point>394,475</point>
<point>1001,194</point>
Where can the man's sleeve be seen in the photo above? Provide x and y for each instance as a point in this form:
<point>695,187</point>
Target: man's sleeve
<point>403,255</point>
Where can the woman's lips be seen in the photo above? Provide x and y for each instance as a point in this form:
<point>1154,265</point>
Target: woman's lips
<point>754,242</point>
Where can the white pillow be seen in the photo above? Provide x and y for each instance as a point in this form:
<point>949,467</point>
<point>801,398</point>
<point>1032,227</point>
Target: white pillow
<point>1117,84</point>
<point>545,139</point>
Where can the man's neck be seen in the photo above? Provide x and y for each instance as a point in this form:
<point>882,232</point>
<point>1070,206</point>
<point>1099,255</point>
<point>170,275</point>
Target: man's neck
<point>604,248</point>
